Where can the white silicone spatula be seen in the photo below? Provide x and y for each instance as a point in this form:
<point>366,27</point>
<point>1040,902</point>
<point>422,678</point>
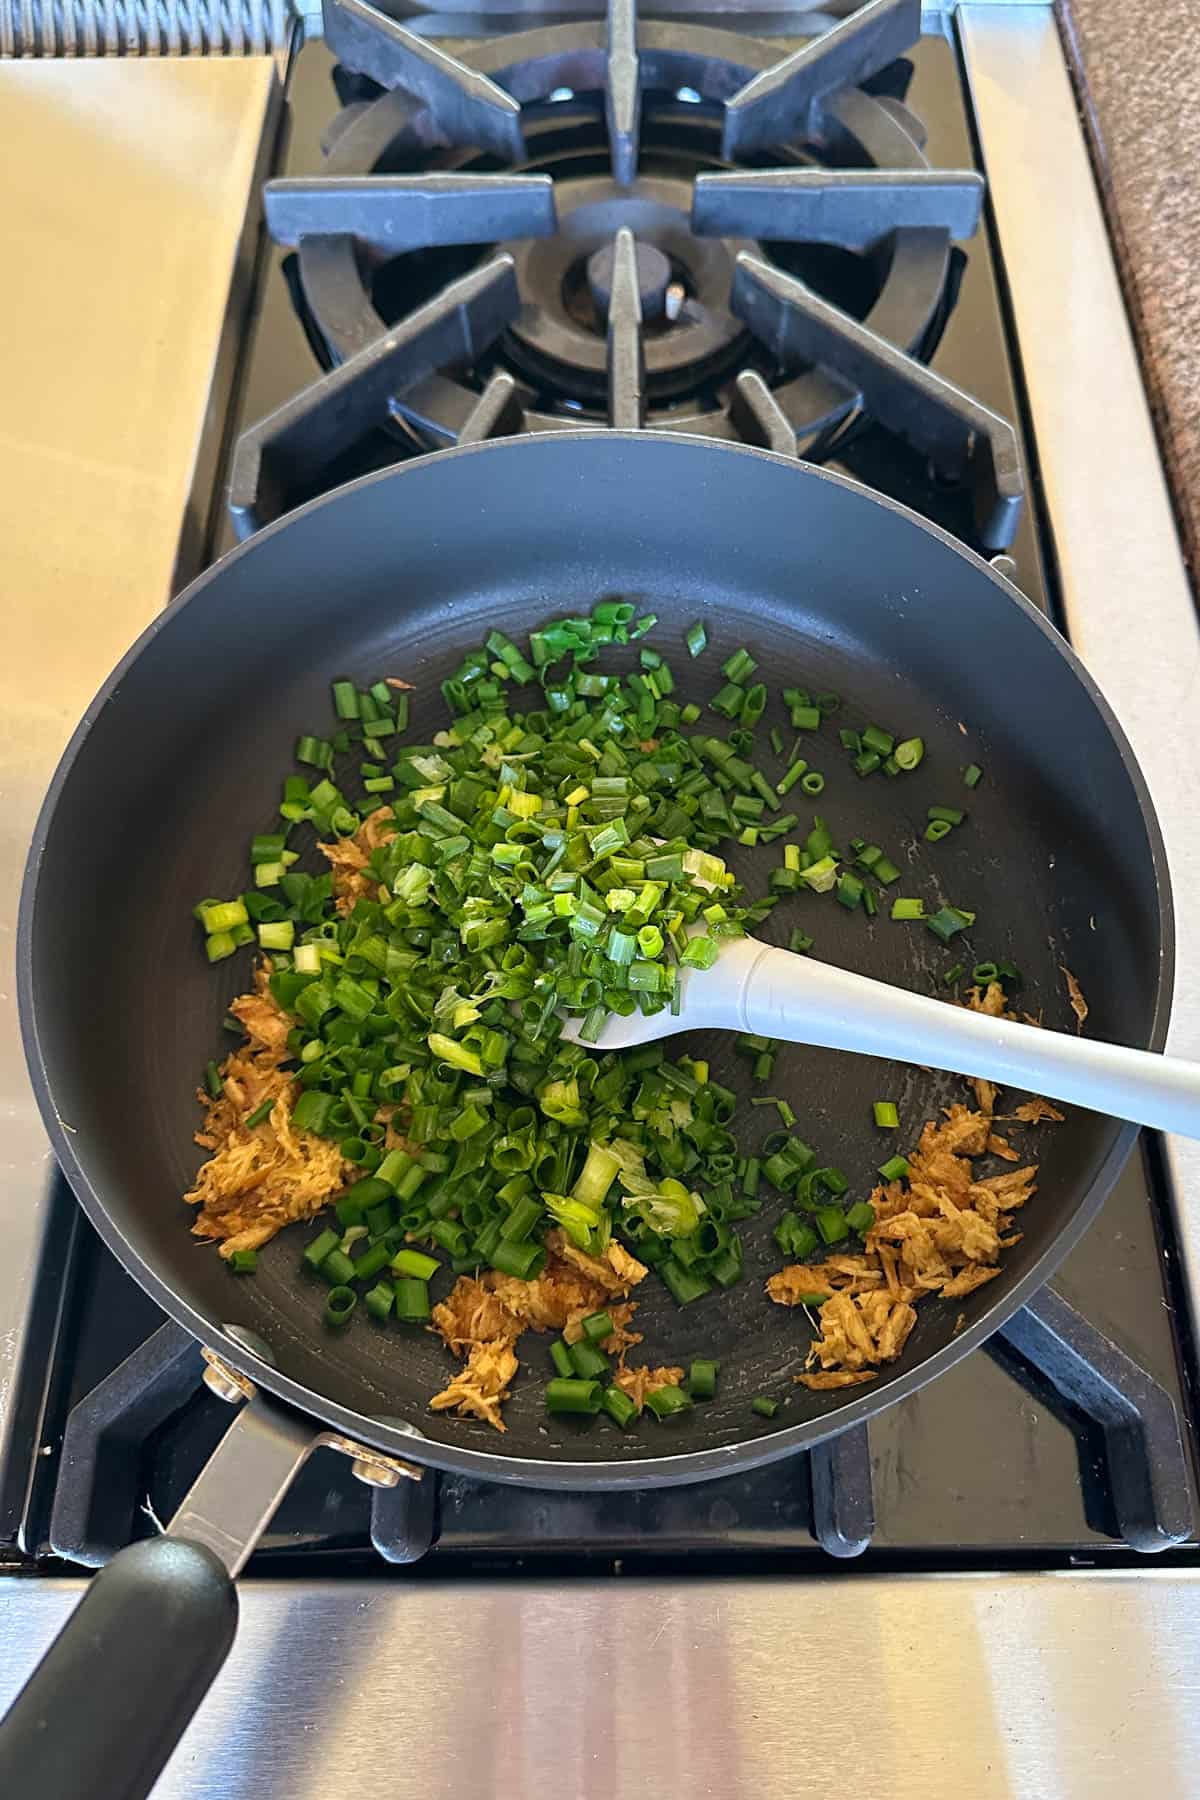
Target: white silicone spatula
<point>775,993</point>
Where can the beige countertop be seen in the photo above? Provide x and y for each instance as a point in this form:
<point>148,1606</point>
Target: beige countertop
<point>126,188</point>
<point>1137,74</point>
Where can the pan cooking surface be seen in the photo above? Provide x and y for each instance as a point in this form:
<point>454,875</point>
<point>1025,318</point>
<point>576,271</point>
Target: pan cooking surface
<point>831,590</point>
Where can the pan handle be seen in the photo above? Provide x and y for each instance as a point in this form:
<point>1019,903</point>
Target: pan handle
<point>109,1701</point>
<point>111,1698</point>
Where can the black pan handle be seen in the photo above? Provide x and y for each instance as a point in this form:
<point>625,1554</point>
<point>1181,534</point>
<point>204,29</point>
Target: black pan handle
<point>110,1699</point>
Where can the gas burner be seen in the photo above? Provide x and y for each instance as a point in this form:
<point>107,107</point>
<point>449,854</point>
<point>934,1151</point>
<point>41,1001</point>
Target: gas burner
<point>623,118</point>
<point>655,224</point>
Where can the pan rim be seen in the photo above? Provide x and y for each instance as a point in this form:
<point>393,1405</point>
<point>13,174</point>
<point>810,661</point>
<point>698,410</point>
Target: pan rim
<point>496,1464</point>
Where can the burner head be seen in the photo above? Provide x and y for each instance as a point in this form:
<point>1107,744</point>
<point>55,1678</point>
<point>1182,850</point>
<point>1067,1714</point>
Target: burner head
<point>653,278</point>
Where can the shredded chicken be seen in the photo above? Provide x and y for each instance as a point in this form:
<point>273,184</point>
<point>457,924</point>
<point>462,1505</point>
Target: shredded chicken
<point>348,858</point>
<point>257,1181</point>
<point>263,1022</point>
<point>1079,1005</point>
<point>939,1230</point>
<point>472,1314</point>
<point>989,1000</point>
<point>482,1387</point>
<point>1032,1112</point>
<point>642,1380</point>
<point>616,1274</point>
<point>489,1313</point>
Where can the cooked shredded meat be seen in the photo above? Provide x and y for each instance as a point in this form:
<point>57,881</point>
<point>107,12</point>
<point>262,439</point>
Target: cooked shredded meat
<point>348,858</point>
<point>989,1000</point>
<point>1079,1005</point>
<point>257,1181</point>
<point>488,1313</point>
<point>482,1387</point>
<point>1032,1112</point>
<point>642,1380</point>
<point>939,1230</point>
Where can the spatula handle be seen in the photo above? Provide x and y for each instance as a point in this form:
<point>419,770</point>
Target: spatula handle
<point>792,997</point>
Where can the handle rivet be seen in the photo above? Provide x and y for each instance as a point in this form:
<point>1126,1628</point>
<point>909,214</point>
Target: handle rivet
<point>223,1381</point>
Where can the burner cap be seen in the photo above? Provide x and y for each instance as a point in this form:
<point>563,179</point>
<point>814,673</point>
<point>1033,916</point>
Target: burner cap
<point>653,277</point>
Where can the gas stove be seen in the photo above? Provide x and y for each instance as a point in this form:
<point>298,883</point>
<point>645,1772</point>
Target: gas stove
<point>827,236</point>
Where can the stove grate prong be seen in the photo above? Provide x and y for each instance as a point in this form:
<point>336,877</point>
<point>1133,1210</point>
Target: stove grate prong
<point>395,213</point>
<point>757,416</point>
<point>623,91</point>
<point>498,412</point>
<point>289,450</point>
<point>853,208</point>
<point>962,439</point>
<point>466,107</point>
<point>778,105</point>
<point>626,354</point>
<point>1148,1469</point>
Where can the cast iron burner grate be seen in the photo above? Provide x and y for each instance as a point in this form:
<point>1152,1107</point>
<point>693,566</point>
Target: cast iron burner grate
<point>826,1492</point>
<point>650,224</point>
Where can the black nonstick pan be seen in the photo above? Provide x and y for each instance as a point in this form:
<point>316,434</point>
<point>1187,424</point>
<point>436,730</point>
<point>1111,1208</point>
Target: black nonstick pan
<point>179,761</point>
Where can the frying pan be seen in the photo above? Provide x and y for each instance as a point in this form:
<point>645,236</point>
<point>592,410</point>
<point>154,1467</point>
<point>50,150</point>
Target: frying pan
<point>178,762</point>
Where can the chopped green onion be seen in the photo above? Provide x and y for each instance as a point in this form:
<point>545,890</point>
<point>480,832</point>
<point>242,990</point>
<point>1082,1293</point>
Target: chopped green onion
<point>316,1252</point>
<point>764,1406</point>
<point>588,1362</point>
<point>696,638</point>
<point>948,920</point>
<point>619,1407</point>
<point>830,1221</point>
<point>903,908</point>
<point>738,667</point>
<point>525,1260</point>
<point>340,1302</point>
<point>946,815</point>
<point>894,1168</point>
<point>243,1262</point>
<point>849,890</point>
<point>560,1356</point>
<point>972,775</point>
<point>668,1402</point>
<point>910,753</point>
<point>573,1396</point>
<point>260,1114</point>
<point>222,915</point>
<point>886,1116</point>
<point>412,1300</point>
<point>597,1326</point>
<point>413,1262</point>
<point>702,1378</point>
<point>380,1300</point>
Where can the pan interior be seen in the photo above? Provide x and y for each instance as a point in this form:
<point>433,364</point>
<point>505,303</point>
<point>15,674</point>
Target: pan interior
<point>830,590</point>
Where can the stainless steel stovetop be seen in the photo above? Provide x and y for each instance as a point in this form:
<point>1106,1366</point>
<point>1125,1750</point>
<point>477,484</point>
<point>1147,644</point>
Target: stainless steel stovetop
<point>136,191</point>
